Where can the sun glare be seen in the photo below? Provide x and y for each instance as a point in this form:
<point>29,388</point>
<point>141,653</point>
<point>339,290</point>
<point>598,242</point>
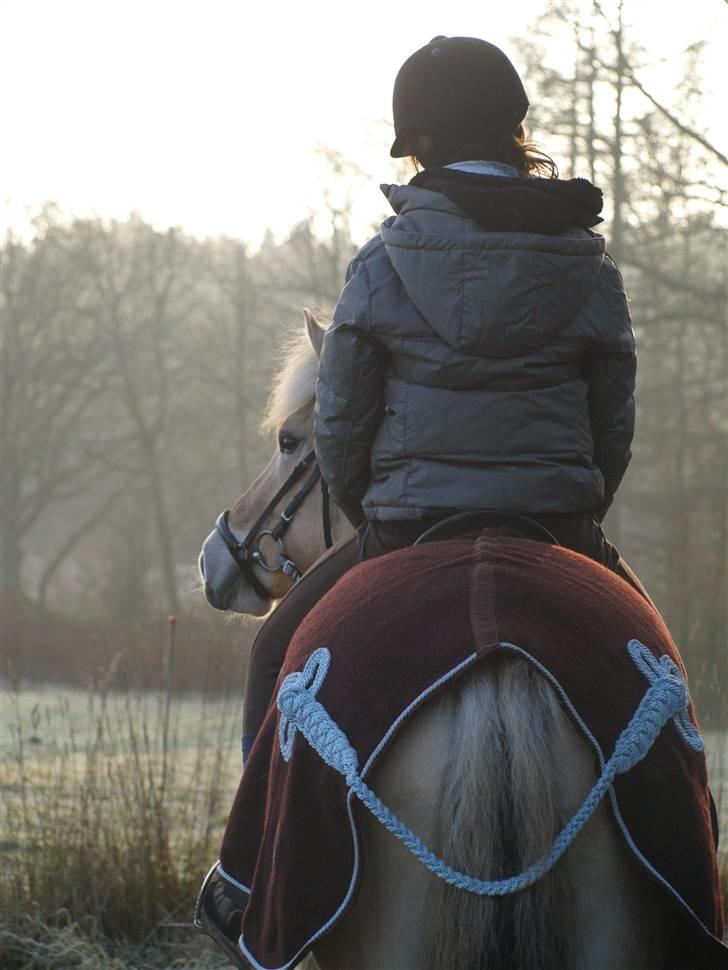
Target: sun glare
<point>208,115</point>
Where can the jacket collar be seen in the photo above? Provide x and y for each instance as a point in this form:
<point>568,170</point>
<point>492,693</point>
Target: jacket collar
<point>481,167</point>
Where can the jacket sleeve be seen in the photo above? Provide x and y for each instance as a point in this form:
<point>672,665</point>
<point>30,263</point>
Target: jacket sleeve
<point>610,372</point>
<point>349,396</point>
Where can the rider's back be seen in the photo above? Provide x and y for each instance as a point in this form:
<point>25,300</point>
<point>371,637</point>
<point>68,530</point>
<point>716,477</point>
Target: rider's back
<point>481,354</point>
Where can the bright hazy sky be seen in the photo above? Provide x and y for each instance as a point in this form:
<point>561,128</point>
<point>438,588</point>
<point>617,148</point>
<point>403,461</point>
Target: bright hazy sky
<point>206,113</point>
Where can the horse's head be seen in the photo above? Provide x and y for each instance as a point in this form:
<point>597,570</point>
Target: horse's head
<point>252,556</point>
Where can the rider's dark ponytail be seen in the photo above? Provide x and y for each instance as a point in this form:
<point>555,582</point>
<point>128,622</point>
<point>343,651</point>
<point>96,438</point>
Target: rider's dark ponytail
<point>463,142</point>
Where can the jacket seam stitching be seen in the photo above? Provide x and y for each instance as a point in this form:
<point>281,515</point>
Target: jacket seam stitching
<point>405,428</point>
<point>360,370</point>
<point>462,298</point>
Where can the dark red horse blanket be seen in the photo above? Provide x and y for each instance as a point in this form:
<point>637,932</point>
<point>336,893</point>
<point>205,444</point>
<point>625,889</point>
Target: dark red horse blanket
<point>401,627</point>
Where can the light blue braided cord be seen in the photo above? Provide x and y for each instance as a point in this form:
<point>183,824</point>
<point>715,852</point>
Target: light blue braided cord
<point>654,668</point>
<point>300,711</point>
<point>666,697</point>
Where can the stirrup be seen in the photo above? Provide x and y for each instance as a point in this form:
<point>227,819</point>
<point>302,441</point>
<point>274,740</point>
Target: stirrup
<point>218,913</point>
<point>463,522</point>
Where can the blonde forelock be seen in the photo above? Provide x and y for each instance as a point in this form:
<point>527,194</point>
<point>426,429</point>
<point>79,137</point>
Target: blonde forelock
<point>294,386</point>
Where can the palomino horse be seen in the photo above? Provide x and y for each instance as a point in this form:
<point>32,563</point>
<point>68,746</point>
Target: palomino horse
<point>497,749</point>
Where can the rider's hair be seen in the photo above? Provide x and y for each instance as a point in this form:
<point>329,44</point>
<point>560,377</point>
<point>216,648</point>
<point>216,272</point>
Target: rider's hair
<point>462,142</point>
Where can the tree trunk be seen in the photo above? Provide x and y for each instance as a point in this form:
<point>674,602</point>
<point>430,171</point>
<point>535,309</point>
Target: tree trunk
<point>618,188</point>
<point>618,198</point>
<point>11,549</point>
<point>127,525</point>
<point>164,534</point>
<point>52,566</point>
<point>242,315</point>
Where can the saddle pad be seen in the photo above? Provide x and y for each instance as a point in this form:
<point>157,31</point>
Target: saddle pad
<point>401,627</point>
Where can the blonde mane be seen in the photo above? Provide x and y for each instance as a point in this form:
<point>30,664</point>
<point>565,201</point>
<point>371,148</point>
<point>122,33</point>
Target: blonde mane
<point>295,382</point>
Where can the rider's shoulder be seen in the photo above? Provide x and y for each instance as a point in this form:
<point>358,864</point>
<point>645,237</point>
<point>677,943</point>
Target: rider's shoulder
<point>369,253</point>
<point>610,287</point>
<point>610,274</point>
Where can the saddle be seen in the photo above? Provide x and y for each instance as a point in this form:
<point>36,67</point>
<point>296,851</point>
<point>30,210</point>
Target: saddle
<point>465,523</point>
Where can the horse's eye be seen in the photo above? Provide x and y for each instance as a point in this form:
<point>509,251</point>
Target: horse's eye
<point>287,442</point>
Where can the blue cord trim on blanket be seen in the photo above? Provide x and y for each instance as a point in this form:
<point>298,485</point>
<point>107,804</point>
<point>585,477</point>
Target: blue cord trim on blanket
<point>665,699</point>
<point>226,875</point>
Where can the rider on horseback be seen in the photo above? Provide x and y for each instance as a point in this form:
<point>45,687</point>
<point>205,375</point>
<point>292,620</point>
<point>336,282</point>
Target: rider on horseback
<point>481,354</point>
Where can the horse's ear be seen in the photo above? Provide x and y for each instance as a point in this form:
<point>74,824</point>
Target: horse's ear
<point>315,331</point>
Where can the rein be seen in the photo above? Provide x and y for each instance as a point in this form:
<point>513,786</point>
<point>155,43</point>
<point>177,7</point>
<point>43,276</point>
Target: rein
<point>247,552</point>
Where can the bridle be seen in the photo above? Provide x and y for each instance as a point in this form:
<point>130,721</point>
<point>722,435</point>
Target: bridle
<point>247,553</point>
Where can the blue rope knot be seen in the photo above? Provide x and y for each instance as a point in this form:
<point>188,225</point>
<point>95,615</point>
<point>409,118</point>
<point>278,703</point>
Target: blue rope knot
<point>664,675</point>
<point>666,698</point>
<point>300,711</point>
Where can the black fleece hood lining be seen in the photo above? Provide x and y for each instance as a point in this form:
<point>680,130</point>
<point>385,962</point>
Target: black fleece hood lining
<point>501,203</point>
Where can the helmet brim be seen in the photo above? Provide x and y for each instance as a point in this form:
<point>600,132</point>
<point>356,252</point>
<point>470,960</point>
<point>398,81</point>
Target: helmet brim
<point>400,147</point>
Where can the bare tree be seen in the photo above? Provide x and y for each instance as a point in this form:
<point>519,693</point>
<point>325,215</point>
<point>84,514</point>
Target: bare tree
<point>53,376</point>
<point>663,181</point>
<point>232,354</point>
<point>137,277</point>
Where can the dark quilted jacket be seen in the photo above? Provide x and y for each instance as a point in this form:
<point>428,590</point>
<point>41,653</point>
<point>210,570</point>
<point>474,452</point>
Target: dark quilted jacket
<point>467,368</point>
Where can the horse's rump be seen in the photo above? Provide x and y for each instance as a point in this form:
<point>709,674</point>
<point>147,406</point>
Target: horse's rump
<point>399,629</point>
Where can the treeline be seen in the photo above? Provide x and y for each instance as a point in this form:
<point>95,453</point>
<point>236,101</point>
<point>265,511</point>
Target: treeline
<point>136,361</point>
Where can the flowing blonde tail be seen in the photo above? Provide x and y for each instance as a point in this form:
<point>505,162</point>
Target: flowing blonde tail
<point>499,812</point>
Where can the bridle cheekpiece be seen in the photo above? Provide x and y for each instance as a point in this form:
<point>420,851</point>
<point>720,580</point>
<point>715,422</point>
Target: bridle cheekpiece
<point>247,552</point>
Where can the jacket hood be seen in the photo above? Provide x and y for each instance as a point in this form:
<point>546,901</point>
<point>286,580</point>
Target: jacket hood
<point>503,269</point>
<point>514,203</point>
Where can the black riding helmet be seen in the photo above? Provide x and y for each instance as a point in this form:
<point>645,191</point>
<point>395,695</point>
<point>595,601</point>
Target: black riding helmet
<point>455,79</point>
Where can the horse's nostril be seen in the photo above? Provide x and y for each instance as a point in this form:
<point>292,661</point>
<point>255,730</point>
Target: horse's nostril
<point>212,598</point>
<point>201,565</point>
